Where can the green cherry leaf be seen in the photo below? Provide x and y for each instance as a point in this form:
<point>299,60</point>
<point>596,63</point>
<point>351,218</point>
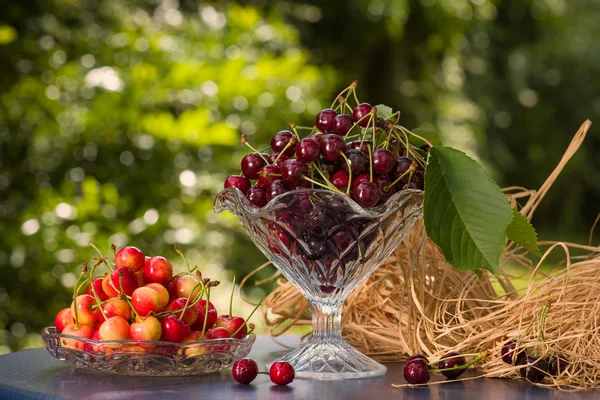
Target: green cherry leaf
<point>465,212</point>
<point>384,111</point>
<point>522,233</point>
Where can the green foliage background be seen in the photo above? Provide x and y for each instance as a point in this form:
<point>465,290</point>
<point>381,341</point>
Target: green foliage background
<point>120,120</point>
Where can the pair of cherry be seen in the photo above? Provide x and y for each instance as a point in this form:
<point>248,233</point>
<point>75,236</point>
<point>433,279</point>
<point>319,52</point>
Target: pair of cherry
<point>246,370</point>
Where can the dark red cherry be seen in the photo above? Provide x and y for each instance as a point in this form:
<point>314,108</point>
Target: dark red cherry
<point>416,371</point>
<point>360,178</point>
<point>331,146</point>
<point>307,150</point>
<point>360,112</point>
<point>382,183</point>
<point>279,158</point>
<point>328,166</point>
<point>281,373</point>
<point>557,365</point>
<point>383,161</point>
<point>276,188</point>
<point>534,368</point>
<point>244,371</point>
<point>508,353</point>
<point>361,145</point>
<point>240,182</point>
<point>251,164</point>
<point>324,120</point>
<point>342,124</point>
<point>402,165</point>
<point>280,140</point>
<point>359,162</point>
<point>366,194</point>
<point>267,175</point>
<point>340,180</point>
<point>457,361</point>
<point>292,171</point>
<point>257,196</point>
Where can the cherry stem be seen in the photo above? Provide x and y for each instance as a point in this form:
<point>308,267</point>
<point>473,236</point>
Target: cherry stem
<point>287,146</point>
<point>332,188</point>
<point>543,314</point>
<point>349,173</point>
<point>245,141</point>
<point>178,251</point>
<point>187,302</point>
<point>410,170</point>
<point>75,294</point>
<point>478,357</point>
<point>340,95</point>
<point>123,295</point>
<point>370,163</point>
<point>231,298</point>
<point>95,294</point>
<point>247,319</point>
<point>306,128</point>
<point>206,308</point>
<point>101,255</point>
<point>356,123</point>
<point>293,128</point>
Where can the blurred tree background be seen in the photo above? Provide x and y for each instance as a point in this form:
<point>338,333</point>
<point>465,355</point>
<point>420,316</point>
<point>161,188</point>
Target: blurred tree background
<point>120,120</point>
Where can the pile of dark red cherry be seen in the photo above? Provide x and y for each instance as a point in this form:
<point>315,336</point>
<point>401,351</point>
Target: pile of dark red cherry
<point>417,367</point>
<point>362,155</point>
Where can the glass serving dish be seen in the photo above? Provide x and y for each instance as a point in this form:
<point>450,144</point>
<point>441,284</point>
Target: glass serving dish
<point>326,244</point>
<point>149,358</point>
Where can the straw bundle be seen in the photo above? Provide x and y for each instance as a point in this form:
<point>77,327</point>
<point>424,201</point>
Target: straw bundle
<point>417,303</point>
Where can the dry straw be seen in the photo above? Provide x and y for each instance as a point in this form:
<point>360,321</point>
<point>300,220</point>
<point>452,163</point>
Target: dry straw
<point>417,303</point>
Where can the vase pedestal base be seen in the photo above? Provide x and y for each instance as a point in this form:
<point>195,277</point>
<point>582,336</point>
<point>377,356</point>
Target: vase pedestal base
<point>331,359</point>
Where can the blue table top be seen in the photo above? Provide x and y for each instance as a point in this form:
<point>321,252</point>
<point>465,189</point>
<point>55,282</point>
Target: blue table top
<point>34,374</point>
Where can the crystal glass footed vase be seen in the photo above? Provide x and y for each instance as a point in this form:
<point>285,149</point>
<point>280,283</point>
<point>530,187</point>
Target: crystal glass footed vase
<point>326,244</point>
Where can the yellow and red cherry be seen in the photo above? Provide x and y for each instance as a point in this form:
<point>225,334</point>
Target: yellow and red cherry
<point>149,328</point>
<point>189,315</point>
<point>217,332</point>
<point>146,300</point>
<point>162,291</point>
<point>184,286</point>
<point>232,324</point>
<point>211,319</point>
<point>158,270</point>
<point>116,307</point>
<point>86,314</point>
<point>97,283</point>
<point>83,331</point>
<point>107,287</point>
<point>114,328</point>
<point>130,257</point>
<point>112,285</point>
<point>63,318</point>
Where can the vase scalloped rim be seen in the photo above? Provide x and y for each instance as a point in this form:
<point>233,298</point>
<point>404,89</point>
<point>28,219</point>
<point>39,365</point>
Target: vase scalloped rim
<point>245,339</point>
<point>367,212</point>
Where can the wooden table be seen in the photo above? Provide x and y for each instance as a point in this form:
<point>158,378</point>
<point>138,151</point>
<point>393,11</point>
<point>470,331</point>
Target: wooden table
<point>34,374</point>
